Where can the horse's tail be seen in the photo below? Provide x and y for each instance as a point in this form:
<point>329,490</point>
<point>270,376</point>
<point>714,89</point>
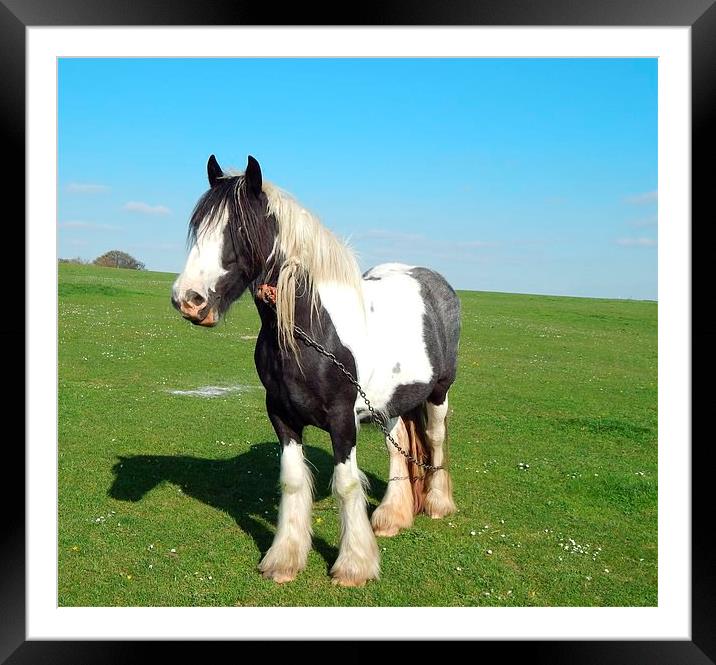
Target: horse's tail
<point>415,422</point>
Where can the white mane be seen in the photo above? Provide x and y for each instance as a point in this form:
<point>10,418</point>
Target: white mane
<point>311,255</point>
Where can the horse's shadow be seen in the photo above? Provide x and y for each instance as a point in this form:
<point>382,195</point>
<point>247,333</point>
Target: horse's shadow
<point>245,487</point>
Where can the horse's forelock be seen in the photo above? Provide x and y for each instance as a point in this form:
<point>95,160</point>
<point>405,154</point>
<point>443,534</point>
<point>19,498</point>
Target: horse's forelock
<point>207,213</point>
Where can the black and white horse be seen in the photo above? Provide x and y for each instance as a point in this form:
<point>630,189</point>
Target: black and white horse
<point>396,329</point>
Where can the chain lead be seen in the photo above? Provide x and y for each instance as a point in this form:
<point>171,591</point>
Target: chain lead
<point>306,339</point>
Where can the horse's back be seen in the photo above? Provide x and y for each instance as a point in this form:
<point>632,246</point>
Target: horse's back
<point>441,321</point>
<point>413,317</point>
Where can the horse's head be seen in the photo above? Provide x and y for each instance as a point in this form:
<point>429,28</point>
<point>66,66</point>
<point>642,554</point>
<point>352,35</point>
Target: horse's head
<point>231,237</point>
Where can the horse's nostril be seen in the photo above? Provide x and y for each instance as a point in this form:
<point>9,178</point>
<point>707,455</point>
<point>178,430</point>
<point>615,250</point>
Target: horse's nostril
<point>195,298</point>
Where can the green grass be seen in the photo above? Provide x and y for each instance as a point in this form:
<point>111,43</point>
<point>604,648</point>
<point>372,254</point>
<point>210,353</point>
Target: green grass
<point>170,500</point>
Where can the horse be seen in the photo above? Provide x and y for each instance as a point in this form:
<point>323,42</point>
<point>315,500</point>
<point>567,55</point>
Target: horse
<point>394,329</point>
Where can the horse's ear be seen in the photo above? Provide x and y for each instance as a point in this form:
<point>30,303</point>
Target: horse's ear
<point>253,177</point>
<point>213,170</point>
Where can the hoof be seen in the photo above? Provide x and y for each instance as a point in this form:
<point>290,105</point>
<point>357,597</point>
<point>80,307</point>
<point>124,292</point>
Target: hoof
<point>281,564</point>
<point>438,505</point>
<point>278,576</point>
<point>347,582</point>
<point>386,521</point>
<point>345,574</point>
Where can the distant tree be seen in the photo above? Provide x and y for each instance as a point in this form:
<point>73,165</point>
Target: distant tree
<point>117,259</point>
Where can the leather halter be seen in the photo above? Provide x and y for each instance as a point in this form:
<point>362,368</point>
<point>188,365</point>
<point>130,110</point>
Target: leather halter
<point>266,293</point>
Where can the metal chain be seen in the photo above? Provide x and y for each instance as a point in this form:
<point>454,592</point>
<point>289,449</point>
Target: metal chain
<point>375,417</point>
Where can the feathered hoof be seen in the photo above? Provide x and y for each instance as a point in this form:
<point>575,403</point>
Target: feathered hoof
<point>387,521</point>
<point>438,505</point>
<point>348,582</point>
<point>355,572</point>
<point>279,576</point>
<point>282,564</point>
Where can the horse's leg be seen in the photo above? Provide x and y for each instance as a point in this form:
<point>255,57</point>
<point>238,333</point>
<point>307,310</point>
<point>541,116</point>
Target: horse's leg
<point>438,500</point>
<point>358,559</point>
<point>395,511</point>
<point>289,550</point>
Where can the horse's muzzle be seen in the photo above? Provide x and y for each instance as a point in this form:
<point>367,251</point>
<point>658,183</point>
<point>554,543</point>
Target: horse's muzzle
<point>199,315</point>
<point>210,320</point>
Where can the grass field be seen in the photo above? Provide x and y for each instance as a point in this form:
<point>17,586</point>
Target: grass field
<point>169,498</point>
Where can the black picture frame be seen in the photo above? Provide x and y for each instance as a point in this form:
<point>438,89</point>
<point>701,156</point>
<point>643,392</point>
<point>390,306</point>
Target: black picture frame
<point>700,15</point>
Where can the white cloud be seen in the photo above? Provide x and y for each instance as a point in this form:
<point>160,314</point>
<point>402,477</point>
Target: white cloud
<point>643,223</point>
<point>383,234</point>
<point>636,242</point>
<point>146,208</point>
<point>86,187</point>
<point>415,240</point>
<point>88,225</point>
<point>474,244</point>
<point>643,198</point>
<point>378,245</point>
<point>163,246</point>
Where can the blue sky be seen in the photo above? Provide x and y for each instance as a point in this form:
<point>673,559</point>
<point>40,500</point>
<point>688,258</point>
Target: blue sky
<point>515,175</point>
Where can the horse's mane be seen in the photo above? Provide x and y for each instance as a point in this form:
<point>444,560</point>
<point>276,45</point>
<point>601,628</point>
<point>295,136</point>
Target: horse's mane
<point>305,253</point>
<point>309,255</point>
